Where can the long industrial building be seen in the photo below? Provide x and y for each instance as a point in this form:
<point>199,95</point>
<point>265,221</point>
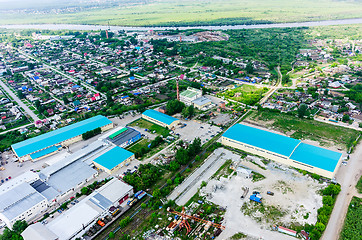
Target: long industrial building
<point>160,118</point>
<point>283,149</point>
<point>73,223</point>
<point>49,143</point>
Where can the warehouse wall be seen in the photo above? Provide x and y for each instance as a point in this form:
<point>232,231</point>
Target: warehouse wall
<point>173,124</point>
<point>115,169</point>
<point>278,158</point>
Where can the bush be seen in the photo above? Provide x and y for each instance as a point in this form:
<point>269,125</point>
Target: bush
<point>124,222</point>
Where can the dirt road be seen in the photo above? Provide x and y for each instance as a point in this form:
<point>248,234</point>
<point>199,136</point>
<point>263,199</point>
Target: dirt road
<point>347,176</point>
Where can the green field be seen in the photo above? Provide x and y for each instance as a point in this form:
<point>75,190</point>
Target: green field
<point>353,224</point>
<point>246,94</point>
<point>141,123</point>
<point>140,144</point>
<point>324,133</point>
<point>179,12</point>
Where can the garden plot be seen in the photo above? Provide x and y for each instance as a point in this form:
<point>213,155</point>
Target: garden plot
<point>295,200</point>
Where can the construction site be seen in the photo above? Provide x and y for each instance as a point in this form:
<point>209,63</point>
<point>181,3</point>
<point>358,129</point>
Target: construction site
<point>242,195</point>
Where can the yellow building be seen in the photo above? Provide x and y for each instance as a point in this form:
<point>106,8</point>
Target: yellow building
<point>113,160</point>
<point>160,118</point>
<point>201,103</point>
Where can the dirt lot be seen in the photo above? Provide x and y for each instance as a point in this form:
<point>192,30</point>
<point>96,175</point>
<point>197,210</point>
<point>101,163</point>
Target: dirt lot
<point>295,200</point>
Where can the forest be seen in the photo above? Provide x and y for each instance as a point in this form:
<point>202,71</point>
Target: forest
<point>271,46</point>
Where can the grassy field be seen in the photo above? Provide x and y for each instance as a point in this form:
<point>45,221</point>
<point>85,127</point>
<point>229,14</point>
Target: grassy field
<point>353,224</point>
<point>141,123</point>
<point>138,145</point>
<point>246,94</point>
<point>179,12</point>
<point>336,32</point>
<point>325,134</point>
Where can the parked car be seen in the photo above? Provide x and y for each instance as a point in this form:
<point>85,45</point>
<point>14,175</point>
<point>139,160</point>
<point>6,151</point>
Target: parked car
<point>270,193</point>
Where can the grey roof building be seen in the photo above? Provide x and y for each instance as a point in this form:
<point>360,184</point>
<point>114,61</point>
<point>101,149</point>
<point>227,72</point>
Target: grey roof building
<point>21,202</point>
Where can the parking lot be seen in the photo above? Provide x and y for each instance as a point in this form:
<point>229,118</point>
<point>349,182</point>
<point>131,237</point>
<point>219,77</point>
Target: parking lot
<point>195,129</point>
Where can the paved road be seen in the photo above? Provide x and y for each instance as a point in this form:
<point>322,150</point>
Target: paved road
<point>20,103</point>
<point>347,176</point>
<point>188,188</point>
<point>273,88</point>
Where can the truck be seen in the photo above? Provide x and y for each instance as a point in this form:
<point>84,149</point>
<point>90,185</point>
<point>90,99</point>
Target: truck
<point>132,201</point>
<point>256,198</point>
<point>138,193</point>
<point>141,195</point>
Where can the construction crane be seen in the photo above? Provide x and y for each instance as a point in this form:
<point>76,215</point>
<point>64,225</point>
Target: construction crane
<point>185,216</point>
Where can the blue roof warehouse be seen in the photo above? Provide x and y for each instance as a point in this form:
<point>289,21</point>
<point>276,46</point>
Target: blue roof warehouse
<point>113,159</point>
<point>283,149</point>
<point>160,118</point>
<point>48,143</point>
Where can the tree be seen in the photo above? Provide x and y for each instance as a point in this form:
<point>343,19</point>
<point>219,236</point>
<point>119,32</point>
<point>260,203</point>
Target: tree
<point>345,118</point>
<point>111,235</point>
<point>156,193</point>
<point>19,226</point>
<point>328,200</point>
<point>20,94</point>
<point>65,100</point>
<point>320,226</point>
<point>302,110</point>
<point>174,106</point>
<point>194,148</point>
<point>174,166</point>
<point>332,190</point>
<point>249,68</point>
<point>185,112</point>
<point>124,222</point>
<point>84,191</point>
<point>182,156</point>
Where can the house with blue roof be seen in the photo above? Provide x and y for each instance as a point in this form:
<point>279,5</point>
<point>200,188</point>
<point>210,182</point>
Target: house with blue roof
<point>159,118</point>
<point>46,144</point>
<point>283,149</point>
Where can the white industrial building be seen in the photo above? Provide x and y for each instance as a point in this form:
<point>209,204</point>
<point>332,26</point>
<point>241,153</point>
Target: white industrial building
<point>29,195</point>
<point>189,95</point>
<point>22,202</point>
<point>77,220</point>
